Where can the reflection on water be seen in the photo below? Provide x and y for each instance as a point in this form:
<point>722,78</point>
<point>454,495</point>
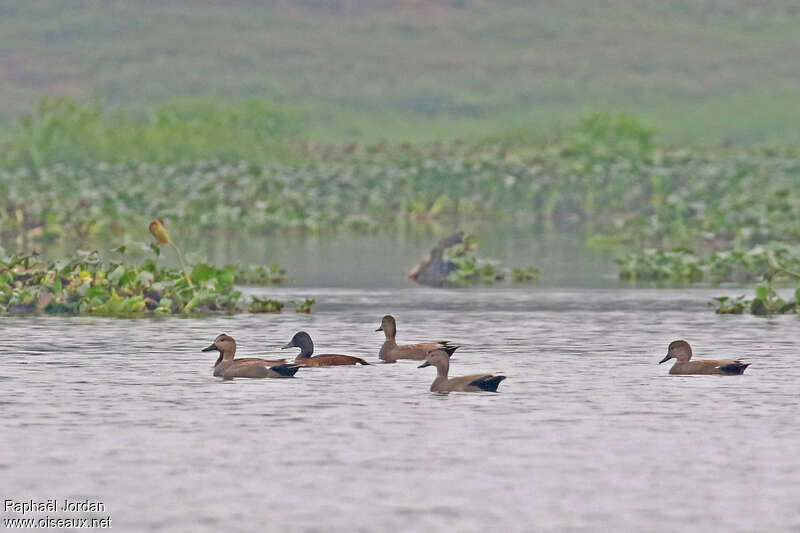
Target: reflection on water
<point>588,432</point>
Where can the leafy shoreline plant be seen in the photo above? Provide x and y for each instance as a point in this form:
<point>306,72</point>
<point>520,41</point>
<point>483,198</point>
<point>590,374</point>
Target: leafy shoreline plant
<point>609,179</point>
<point>684,266</point>
<point>119,287</point>
<point>453,262</point>
<point>767,301</point>
<point>769,264</point>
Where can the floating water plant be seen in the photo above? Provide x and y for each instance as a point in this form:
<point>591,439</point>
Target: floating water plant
<point>264,305</point>
<point>453,263</point>
<point>304,306</point>
<point>119,285</point>
<point>469,269</point>
<point>737,265</point>
<point>260,275</point>
<point>610,179</point>
<point>781,265</point>
<point>658,265</point>
<point>766,301</point>
<point>525,274</point>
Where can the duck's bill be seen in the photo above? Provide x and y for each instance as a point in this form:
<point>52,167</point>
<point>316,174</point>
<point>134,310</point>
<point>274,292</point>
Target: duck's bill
<point>288,345</point>
<point>209,348</point>
<point>666,358</point>
<point>423,365</point>
<point>379,329</point>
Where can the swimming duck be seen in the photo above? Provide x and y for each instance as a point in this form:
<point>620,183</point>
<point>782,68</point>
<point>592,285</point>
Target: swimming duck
<point>682,352</point>
<point>440,358</point>
<point>391,351</point>
<point>303,341</point>
<point>248,367</point>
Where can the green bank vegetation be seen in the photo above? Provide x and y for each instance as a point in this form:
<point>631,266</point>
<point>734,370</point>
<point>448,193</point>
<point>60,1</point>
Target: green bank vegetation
<point>609,178</point>
<point>128,281</point>
<point>75,176</point>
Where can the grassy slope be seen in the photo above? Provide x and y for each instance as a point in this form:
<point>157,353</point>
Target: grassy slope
<point>702,70</point>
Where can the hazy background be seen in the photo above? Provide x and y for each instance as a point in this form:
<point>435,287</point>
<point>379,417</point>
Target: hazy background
<point>702,70</point>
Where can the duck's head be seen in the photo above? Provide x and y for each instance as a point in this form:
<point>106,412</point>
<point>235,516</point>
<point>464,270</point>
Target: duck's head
<point>388,326</point>
<point>438,358</point>
<point>303,341</point>
<point>224,344</point>
<point>680,350</point>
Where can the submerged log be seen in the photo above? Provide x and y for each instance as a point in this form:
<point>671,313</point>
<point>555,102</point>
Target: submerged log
<point>433,270</point>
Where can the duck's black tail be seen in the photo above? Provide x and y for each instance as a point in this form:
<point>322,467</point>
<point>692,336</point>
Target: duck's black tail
<point>360,361</point>
<point>488,383</point>
<point>287,370</point>
<point>737,367</point>
<point>450,348</point>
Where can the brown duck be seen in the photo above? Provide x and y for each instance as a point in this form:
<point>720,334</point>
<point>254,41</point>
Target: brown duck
<point>391,352</point>
<point>303,341</point>
<point>440,358</point>
<point>682,352</point>
<point>248,367</point>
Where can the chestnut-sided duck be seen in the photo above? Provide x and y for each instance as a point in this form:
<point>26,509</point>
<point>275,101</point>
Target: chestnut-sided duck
<point>306,356</point>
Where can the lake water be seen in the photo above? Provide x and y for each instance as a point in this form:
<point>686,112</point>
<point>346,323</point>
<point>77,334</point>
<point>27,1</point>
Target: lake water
<point>587,433</point>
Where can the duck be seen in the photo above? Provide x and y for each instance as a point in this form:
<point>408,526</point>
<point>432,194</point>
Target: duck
<point>302,340</point>
<point>227,367</point>
<point>391,352</point>
<point>682,352</point>
<point>440,358</point>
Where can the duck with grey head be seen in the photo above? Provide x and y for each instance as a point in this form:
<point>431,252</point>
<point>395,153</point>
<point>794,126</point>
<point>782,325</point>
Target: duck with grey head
<point>302,340</point>
<point>227,367</point>
<point>440,358</point>
<point>682,353</point>
<point>391,352</point>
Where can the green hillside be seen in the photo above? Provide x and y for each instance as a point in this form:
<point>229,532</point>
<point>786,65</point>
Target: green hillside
<point>703,71</point>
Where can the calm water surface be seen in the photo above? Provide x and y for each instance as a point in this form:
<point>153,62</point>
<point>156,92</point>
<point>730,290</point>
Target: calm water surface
<point>588,433</point>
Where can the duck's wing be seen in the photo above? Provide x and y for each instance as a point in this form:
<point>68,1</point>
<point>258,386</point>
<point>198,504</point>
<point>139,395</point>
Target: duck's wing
<point>732,366</point>
<point>420,350</point>
<point>475,382</point>
<point>488,382</point>
<point>269,362</point>
<point>259,368</point>
<point>333,359</point>
<point>284,370</point>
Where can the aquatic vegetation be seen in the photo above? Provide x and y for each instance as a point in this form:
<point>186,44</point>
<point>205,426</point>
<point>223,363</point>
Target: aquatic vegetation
<point>260,275</point>
<point>264,305</point>
<point>453,262</point>
<point>608,179</point>
<point>527,274</point>
<point>304,306</point>
<point>465,267</point>
<point>782,264</point>
<point>736,265</point>
<point>626,187</point>
<point>268,305</point>
<point>766,301</point>
<point>472,270</point>
<point>657,265</point>
<point>769,264</point>
<point>122,284</point>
